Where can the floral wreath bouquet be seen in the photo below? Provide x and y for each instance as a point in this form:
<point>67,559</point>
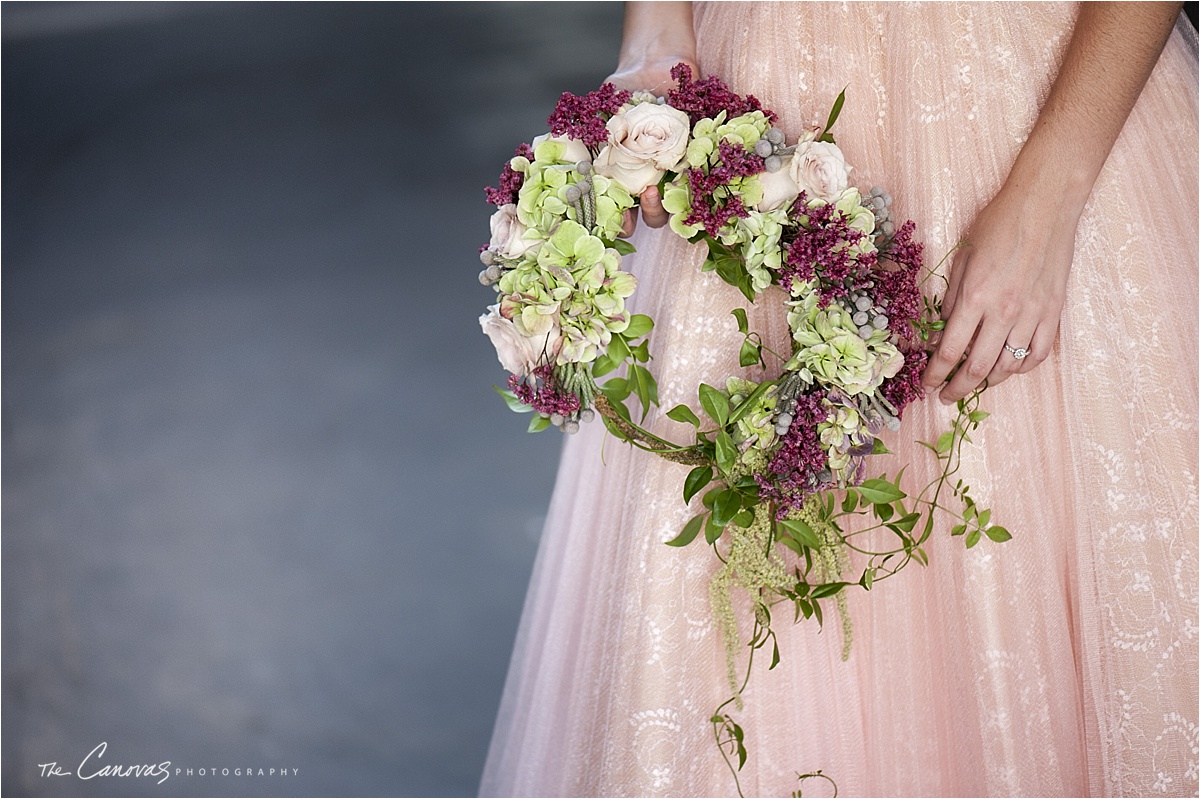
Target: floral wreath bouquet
<point>782,463</point>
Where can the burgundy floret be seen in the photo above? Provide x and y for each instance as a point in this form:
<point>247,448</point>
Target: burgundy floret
<point>547,396</point>
<point>584,118</point>
<point>707,97</point>
<point>510,181</point>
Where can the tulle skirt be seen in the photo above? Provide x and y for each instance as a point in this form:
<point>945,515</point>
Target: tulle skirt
<point>1060,663</point>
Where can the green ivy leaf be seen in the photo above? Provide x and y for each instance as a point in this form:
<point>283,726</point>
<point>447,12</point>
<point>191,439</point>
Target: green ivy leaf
<point>690,531</point>
<point>749,354</point>
<point>726,452</point>
<point>604,364</point>
<point>828,589</point>
<point>715,403</point>
<point>833,115</point>
<point>644,386</point>
<point>877,491</point>
<point>617,389</point>
<point>998,534</point>
<point>978,416</point>
<point>623,246</point>
<point>538,423</point>
<point>726,506</point>
<point>802,532</point>
<point>944,442</point>
<point>639,325</point>
<point>740,315</point>
<point>684,414</point>
<point>712,531</point>
<point>510,399</point>
<point>696,480</point>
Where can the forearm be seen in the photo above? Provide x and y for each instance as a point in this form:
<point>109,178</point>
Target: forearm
<point>1111,54</point>
<point>656,31</point>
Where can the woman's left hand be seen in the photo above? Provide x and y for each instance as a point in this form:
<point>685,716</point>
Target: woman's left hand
<point>1007,287</point>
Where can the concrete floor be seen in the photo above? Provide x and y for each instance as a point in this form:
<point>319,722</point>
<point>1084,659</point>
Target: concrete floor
<point>260,508</point>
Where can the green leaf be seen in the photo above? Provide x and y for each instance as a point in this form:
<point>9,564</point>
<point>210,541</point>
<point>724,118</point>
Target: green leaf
<point>642,351</point>
<point>510,399</point>
<point>623,246</point>
<point>682,413</point>
<point>621,409</point>
<point>867,579</point>
<point>715,403</point>
<point>726,452</point>
<point>740,315</point>
<point>749,354</point>
<point>881,448</point>
<point>791,544</point>
<point>639,325</point>
<point>928,529</point>
<point>877,491</point>
<point>985,517</point>
<point>804,607</point>
<point>644,386</point>
<point>617,389</point>
<point>834,112</point>
<point>978,416</point>
<point>998,534</point>
<point>919,554</point>
<point>697,479</point>
<point>972,538</point>
<point>618,350</point>
<point>710,497</point>
<point>907,522</point>
<point>745,518</point>
<point>538,423</point>
<point>750,401</point>
<point>726,506</point>
<point>851,501</point>
<point>828,589</point>
<point>690,531</point>
<point>802,532</point>
<point>774,656</point>
<point>884,512</point>
<point>611,426</point>
<point>944,442</point>
<point>712,531</point>
<point>604,364</point>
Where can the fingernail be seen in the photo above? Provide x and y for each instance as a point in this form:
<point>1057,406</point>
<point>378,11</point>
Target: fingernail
<point>942,398</point>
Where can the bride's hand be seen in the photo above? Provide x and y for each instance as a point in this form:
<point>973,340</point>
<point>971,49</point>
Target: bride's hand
<point>652,75</point>
<point>1006,292</point>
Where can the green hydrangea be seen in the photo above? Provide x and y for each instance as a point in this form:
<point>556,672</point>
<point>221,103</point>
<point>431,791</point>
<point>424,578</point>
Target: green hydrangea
<point>843,430</point>
<point>757,425</point>
<point>575,281</point>
<point>831,350</point>
<point>542,202</point>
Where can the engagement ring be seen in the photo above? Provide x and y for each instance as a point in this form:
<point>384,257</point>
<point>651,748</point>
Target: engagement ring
<point>1018,352</point>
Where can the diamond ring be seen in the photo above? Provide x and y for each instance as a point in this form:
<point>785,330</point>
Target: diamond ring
<point>1017,352</point>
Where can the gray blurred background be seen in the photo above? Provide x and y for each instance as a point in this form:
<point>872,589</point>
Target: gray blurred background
<point>261,507</point>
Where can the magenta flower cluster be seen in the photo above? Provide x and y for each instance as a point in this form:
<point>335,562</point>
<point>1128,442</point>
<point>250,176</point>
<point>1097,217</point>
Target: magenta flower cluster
<point>820,249</point>
<point>547,396</point>
<point>584,118</point>
<point>510,181</point>
<point>707,97</point>
<point>713,204</point>
<point>799,457</point>
<point>901,284</point>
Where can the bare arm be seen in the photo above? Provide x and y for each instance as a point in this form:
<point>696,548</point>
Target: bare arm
<point>1008,285</point>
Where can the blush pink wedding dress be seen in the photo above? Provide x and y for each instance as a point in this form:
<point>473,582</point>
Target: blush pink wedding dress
<point>1060,663</point>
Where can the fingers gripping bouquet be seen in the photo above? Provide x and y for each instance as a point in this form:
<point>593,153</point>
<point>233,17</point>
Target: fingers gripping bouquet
<point>781,464</point>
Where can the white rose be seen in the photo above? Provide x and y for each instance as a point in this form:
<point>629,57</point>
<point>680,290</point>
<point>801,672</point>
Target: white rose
<point>643,143</point>
<point>820,169</point>
<point>508,233</point>
<point>518,353</point>
<point>576,150</point>
<point>779,187</point>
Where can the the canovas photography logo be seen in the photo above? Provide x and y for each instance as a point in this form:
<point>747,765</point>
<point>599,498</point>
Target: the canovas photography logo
<point>97,764</point>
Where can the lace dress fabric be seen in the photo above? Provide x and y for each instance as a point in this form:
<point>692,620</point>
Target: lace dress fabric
<point>1060,663</point>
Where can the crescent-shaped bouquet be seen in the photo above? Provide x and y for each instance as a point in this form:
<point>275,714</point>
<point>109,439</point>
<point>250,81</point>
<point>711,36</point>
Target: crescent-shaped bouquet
<point>781,464</point>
